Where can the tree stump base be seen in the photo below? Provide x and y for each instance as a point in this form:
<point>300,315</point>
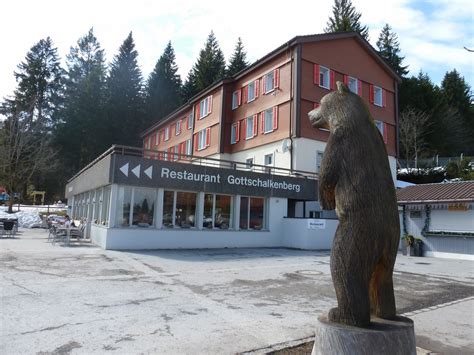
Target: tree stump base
<point>389,337</point>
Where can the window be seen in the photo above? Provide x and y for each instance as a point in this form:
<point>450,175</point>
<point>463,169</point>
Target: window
<point>217,211</point>
<point>269,120</point>
<point>205,107</point>
<point>167,133</point>
<point>124,199</point>
<point>189,147</point>
<point>353,84</point>
<point>324,77</point>
<point>168,209</point>
<point>236,99</point>
<point>252,213</point>
<point>143,207</point>
<point>203,138</point>
<point>315,214</point>
<point>251,91</point>
<point>319,159</point>
<point>178,127</point>
<point>185,209</point>
<point>377,95</point>
<point>271,81</point>
<point>268,161</point>
<point>382,127</point>
<point>105,206</point>
<point>176,152</point>
<point>249,163</point>
<point>250,127</point>
<point>235,133</point>
<point>189,123</point>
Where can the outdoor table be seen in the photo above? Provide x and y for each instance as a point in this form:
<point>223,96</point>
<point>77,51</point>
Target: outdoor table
<point>68,232</point>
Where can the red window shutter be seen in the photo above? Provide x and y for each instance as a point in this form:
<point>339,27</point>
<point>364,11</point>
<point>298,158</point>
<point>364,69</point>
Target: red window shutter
<point>239,97</point>
<point>385,133</point>
<point>332,78</point>
<point>264,84</point>
<point>256,87</point>
<point>208,136</point>
<point>244,127</point>
<point>384,98</point>
<point>316,74</point>
<point>371,93</point>
<point>198,111</point>
<point>244,92</point>
<point>237,131</point>
<point>275,118</point>
<point>209,104</point>
<point>187,122</point>
<point>316,105</point>
<point>255,124</point>
<point>262,122</point>
<point>359,87</point>
<point>346,79</point>
<point>196,143</point>
<point>276,78</point>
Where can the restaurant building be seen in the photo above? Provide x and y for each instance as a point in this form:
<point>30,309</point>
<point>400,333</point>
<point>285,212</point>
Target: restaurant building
<point>237,164</point>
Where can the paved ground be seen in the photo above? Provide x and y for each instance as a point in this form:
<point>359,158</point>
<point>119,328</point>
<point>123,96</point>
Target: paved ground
<point>59,300</point>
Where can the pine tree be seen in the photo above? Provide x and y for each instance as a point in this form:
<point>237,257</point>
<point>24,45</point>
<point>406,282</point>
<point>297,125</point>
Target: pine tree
<point>80,136</point>
<point>457,95</point>
<point>189,88</point>
<point>346,18</point>
<point>238,60</point>
<point>39,80</point>
<point>163,87</point>
<point>389,50</point>
<point>124,100</point>
<point>210,66</point>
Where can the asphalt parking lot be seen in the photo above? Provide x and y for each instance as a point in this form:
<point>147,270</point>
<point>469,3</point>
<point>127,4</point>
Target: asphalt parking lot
<point>85,300</point>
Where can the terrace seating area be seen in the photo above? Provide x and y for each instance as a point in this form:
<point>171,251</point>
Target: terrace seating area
<point>66,234</point>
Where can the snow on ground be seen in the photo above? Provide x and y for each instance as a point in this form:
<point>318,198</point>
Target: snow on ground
<point>28,216</point>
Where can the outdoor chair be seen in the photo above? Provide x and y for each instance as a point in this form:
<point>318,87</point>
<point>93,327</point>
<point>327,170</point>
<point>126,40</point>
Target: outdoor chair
<point>9,228</point>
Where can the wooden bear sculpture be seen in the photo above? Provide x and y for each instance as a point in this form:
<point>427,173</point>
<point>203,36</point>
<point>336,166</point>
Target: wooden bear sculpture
<point>355,179</point>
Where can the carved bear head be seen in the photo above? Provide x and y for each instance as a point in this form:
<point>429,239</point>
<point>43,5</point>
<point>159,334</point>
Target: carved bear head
<point>340,108</point>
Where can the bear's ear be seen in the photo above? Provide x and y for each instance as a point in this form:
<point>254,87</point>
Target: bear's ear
<point>341,87</point>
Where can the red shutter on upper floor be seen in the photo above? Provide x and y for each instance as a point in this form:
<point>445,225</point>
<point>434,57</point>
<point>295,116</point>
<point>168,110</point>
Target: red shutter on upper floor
<point>384,98</point>
<point>276,78</point>
<point>264,82</point>
<point>237,131</point>
<point>209,104</point>
<point>332,78</point>
<point>244,127</point>
<point>255,124</point>
<point>359,87</point>
<point>239,97</point>
<point>196,143</point>
<point>275,118</point>
<point>256,88</point>
<point>346,79</point>
<point>198,111</point>
<point>244,94</point>
<point>371,93</point>
<point>316,74</point>
<point>385,133</point>
<point>208,136</point>
<point>262,122</point>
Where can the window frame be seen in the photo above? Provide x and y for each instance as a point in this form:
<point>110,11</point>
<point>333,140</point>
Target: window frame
<point>253,83</point>
<point>233,133</point>
<point>178,127</point>
<point>190,121</point>
<point>378,89</point>
<point>167,133</point>
<point>265,130</point>
<point>236,99</point>
<point>327,72</point>
<point>356,81</point>
<point>201,139</point>
<point>247,137</point>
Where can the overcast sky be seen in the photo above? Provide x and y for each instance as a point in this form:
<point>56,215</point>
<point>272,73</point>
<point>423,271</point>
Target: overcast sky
<point>432,34</point>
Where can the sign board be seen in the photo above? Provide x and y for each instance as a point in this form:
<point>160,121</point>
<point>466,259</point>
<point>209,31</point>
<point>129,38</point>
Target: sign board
<point>458,207</point>
<point>137,171</point>
<point>316,224</point>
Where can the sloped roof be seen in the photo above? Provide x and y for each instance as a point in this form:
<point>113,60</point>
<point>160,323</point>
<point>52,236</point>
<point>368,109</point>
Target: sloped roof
<point>437,193</point>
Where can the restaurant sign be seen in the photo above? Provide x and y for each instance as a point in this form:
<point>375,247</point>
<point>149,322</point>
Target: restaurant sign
<point>137,171</point>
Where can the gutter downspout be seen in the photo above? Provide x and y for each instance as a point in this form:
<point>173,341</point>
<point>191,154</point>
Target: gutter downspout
<point>296,102</point>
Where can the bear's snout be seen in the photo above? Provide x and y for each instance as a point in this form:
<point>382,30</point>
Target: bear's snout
<point>316,119</point>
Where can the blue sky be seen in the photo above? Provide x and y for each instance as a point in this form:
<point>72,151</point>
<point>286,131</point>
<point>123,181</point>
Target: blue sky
<point>432,34</point>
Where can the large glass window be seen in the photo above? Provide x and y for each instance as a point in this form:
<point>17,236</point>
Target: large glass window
<point>124,197</point>
<point>106,206</point>
<point>217,211</point>
<point>97,204</point>
<point>185,209</point>
<point>168,209</point>
<point>143,207</point>
<point>252,213</point>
